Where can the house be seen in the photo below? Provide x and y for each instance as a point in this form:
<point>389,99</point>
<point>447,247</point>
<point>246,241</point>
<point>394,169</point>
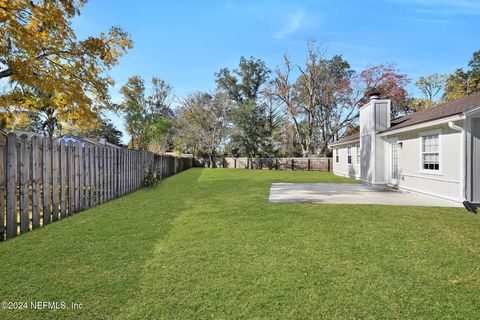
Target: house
<point>93,141</point>
<point>434,151</point>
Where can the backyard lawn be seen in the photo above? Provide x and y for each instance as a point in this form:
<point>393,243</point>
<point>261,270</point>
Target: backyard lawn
<point>207,244</point>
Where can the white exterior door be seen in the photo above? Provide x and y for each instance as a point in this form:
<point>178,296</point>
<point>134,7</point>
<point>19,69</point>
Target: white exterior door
<point>393,162</point>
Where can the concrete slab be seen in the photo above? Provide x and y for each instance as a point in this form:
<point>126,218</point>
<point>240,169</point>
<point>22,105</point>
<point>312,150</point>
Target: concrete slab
<point>345,193</point>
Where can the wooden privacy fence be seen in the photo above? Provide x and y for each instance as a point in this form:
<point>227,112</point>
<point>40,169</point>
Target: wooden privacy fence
<point>309,164</point>
<point>44,180</point>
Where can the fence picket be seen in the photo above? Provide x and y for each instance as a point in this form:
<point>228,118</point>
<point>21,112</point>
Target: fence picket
<point>55,180</point>
<point>36,174</point>
<point>46,158</point>
<point>71,177</point>
<point>87,174</point>
<point>23,165</point>
<point>77,175</point>
<point>63,180</point>
<point>91,168</point>
<point>97,175</point>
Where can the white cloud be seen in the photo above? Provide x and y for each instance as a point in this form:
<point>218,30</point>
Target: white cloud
<point>295,22</point>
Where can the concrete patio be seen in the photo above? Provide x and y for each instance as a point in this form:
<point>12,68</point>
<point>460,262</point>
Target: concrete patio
<point>344,193</point>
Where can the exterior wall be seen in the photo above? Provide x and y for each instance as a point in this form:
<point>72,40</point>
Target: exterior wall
<point>342,167</point>
<point>448,183</point>
<point>471,158</point>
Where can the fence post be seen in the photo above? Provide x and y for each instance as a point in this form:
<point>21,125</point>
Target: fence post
<point>308,164</point>
<point>293,164</point>
<point>11,216</point>
<point>3,183</point>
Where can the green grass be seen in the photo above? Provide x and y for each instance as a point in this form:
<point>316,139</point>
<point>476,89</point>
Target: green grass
<point>207,244</point>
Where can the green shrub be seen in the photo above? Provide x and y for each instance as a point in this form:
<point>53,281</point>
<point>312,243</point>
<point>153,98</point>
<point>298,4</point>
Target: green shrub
<point>150,179</point>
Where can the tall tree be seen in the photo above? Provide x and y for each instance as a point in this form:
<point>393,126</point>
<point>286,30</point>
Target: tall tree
<point>39,52</point>
<point>148,118</point>
<point>106,129</point>
<point>325,97</point>
<point>430,87</point>
<point>202,123</point>
<point>313,100</point>
<point>244,86</point>
<point>386,80</point>
<point>464,82</point>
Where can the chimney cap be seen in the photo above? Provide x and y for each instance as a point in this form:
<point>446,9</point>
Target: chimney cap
<point>374,96</point>
<point>373,93</point>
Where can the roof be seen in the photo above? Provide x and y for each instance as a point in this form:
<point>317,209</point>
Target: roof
<point>29,134</point>
<point>351,138</point>
<point>92,141</point>
<point>439,111</point>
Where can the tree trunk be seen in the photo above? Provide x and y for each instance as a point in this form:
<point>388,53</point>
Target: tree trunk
<point>211,159</point>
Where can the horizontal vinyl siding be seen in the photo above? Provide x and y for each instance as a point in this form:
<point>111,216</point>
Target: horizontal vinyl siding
<point>446,184</point>
<point>342,168</point>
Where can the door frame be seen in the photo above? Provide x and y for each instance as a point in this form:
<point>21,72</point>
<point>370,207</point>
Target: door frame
<point>392,142</point>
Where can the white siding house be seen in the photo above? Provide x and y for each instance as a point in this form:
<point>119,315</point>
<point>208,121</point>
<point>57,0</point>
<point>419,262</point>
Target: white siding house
<point>435,151</point>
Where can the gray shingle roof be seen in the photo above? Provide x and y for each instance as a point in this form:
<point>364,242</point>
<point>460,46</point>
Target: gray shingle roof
<point>439,111</point>
<point>442,110</point>
<point>351,138</point>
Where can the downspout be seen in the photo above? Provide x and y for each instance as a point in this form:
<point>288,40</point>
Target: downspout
<point>453,126</point>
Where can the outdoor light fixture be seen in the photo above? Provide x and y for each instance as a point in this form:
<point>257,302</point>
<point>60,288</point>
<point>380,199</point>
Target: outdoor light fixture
<point>400,145</point>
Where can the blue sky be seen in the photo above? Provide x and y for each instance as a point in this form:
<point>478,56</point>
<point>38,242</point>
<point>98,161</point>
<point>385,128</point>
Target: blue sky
<point>186,42</point>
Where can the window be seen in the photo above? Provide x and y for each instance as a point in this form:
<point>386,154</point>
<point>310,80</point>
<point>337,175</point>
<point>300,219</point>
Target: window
<point>336,155</point>
<point>431,152</point>
<point>357,147</point>
<point>349,153</point>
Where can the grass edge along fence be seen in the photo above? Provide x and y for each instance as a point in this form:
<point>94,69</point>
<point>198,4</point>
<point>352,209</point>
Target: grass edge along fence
<point>44,180</point>
<point>308,164</point>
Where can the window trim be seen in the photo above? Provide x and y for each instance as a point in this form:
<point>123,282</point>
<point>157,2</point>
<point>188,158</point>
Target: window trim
<point>337,157</point>
<point>349,155</point>
<point>439,132</point>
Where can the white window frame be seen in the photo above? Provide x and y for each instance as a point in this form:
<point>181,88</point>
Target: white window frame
<point>349,155</point>
<point>337,156</point>
<point>358,158</point>
<point>440,153</point>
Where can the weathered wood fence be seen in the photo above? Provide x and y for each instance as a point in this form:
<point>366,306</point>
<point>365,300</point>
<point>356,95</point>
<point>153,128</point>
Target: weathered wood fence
<point>309,164</point>
<point>44,180</point>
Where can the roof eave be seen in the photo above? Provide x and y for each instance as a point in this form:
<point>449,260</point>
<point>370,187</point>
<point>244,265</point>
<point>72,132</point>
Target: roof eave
<point>421,125</point>
<point>343,143</point>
